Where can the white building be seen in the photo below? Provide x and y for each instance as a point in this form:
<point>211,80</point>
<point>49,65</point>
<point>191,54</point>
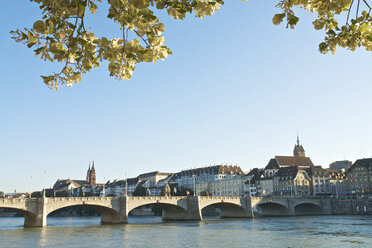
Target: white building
<point>187,178</point>
<point>230,186</point>
<point>320,180</point>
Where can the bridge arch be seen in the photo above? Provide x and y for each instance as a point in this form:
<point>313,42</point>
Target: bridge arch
<point>272,209</point>
<point>109,209</point>
<point>307,208</point>
<point>173,207</point>
<point>108,215</point>
<point>229,206</point>
<point>28,215</point>
<point>170,211</point>
<point>228,209</point>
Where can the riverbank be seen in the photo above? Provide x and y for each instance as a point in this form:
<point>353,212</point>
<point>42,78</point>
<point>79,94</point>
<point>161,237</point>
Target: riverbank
<point>351,206</point>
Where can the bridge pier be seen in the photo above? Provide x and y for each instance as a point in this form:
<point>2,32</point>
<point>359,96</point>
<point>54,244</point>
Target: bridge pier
<point>116,217</point>
<point>291,207</point>
<point>233,211</point>
<point>189,211</point>
<point>326,206</point>
<point>37,218</point>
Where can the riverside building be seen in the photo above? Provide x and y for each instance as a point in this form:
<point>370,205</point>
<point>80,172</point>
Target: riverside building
<point>359,176</point>
<point>190,178</point>
<point>229,186</point>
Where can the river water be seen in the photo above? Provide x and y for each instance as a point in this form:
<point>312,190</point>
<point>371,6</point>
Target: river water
<point>306,231</point>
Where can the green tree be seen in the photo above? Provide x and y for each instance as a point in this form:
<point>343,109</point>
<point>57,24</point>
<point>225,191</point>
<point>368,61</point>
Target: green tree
<point>1,194</point>
<point>36,194</point>
<point>63,193</point>
<point>205,193</point>
<point>61,34</point>
<point>183,191</point>
<point>139,191</point>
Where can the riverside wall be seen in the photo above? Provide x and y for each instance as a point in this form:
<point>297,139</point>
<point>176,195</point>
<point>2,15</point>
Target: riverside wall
<point>351,206</point>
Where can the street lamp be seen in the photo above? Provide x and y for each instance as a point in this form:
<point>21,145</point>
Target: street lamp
<point>44,184</point>
<point>30,187</point>
<point>250,190</point>
<point>104,187</point>
<point>220,183</point>
<point>126,185</point>
<point>193,176</point>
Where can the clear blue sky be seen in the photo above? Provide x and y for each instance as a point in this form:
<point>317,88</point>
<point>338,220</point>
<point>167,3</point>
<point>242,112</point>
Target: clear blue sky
<point>237,89</point>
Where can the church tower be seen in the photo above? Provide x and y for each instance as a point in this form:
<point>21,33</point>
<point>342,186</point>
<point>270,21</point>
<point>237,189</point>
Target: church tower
<point>298,150</point>
<point>91,175</point>
<point>88,174</point>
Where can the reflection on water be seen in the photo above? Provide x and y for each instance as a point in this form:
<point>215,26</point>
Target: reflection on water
<point>311,231</point>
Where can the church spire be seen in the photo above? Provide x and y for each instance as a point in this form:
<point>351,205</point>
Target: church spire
<point>88,173</point>
<point>298,150</point>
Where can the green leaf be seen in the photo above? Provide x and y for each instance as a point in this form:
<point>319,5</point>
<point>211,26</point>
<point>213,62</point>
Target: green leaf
<point>76,77</point>
<point>39,26</point>
<point>278,18</point>
<point>31,37</point>
<point>93,8</point>
<point>140,4</point>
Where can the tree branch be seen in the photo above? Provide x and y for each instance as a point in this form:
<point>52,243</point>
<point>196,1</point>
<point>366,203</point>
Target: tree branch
<point>367,4</point>
<point>148,45</point>
<point>70,40</point>
<point>348,13</point>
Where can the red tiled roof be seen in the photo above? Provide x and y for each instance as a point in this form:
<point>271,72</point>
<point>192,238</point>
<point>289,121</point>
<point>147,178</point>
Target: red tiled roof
<point>285,161</point>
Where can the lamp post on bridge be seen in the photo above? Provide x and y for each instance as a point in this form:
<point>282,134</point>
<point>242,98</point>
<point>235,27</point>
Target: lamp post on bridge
<point>220,182</point>
<point>30,187</point>
<point>126,185</point>
<point>104,187</point>
<point>250,189</point>
<point>193,176</point>
<point>44,183</point>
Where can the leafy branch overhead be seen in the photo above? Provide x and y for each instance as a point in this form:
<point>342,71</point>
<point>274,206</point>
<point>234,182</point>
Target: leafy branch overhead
<point>61,34</point>
<point>347,23</point>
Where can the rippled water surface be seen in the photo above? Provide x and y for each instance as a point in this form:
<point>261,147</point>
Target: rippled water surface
<point>311,231</point>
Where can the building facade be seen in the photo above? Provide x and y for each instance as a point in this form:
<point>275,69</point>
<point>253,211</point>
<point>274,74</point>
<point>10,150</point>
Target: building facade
<point>224,187</point>
<point>359,176</point>
<point>320,180</point>
<point>189,178</point>
<point>264,186</point>
<point>338,182</point>
<point>75,187</point>
<point>341,165</point>
<point>291,181</point>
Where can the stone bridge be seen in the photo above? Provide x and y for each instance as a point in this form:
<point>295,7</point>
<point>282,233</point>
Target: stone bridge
<point>288,205</point>
<point>115,210</point>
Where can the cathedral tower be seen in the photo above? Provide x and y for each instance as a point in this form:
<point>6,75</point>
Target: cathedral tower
<point>88,173</point>
<point>91,175</point>
<point>298,150</point>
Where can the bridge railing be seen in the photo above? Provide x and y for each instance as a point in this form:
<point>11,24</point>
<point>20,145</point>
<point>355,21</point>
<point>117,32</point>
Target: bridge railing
<point>56,199</point>
<point>291,197</point>
<point>16,200</point>
<point>221,197</point>
<point>157,197</point>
